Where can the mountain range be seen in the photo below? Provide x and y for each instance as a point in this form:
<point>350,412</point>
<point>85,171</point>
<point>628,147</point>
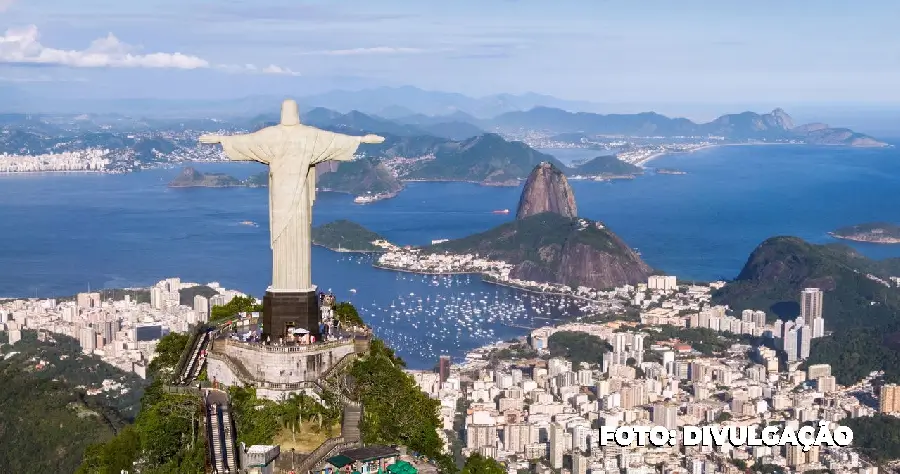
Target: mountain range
<point>391,102</point>
<point>574,127</point>
<point>454,147</point>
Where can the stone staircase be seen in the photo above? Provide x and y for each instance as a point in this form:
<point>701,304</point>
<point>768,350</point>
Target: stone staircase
<point>215,434</point>
<point>230,453</point>
<point>350,422</point>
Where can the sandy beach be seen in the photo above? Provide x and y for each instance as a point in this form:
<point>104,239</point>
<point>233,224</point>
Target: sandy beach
<point>654,156</point>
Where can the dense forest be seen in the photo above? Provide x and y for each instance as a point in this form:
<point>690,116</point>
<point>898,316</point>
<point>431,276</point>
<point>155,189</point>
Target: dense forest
<point>48,417</point>
<point>877,437</point>
<point>578,347</point>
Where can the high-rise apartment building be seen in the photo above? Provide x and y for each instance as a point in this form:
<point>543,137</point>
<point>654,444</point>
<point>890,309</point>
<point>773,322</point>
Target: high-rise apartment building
<point>156,297</point>
<point>557,445</point>
<point>790,344</point>
<point>804,340</point>
<point>201,305</point>
<point>826,384</point>
<point>88,340</point>
<point>811,303</point>
<point>665,415</point>
<point>88,300</point>
<point>811,310</point>
<point>890,399</point>
<point>516,436</point>
<point>479,436</point>
<point>580,463</point>
<point>818,370</point>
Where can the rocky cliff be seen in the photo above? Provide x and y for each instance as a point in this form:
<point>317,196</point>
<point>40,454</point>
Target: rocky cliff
<point>546,190</point>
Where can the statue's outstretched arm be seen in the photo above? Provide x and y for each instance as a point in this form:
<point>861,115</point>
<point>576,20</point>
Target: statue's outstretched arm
<point>248,147</point>
<point>339,147</point>
<point>371,139</point>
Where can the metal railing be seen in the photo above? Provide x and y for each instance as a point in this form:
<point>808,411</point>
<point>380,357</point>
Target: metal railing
<point>314,347</point>
<point>326,449</point>
<point>186,354</point>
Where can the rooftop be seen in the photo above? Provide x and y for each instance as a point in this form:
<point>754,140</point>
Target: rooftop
<point>364,454</point>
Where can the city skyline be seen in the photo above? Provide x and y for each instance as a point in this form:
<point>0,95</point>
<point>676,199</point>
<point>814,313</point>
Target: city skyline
<point>767,53</point>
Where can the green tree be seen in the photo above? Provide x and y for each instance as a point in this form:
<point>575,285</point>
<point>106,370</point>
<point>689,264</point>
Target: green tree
<point>165,437</point>
<point>168,353</point>
<point>396,411</point>
<point>578,347</point>
<point>478,464</point>
<point>347,315</point>
<point>237,305</point>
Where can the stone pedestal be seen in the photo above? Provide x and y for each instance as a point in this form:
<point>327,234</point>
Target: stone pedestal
<point>284,310</point>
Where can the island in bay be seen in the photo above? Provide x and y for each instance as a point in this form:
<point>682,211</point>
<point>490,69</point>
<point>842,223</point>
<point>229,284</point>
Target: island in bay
<point>871,232</point>
<point>347,236</point>
<point>191,178</point>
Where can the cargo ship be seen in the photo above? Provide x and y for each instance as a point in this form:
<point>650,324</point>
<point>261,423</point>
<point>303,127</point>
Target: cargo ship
<point>501,211</point>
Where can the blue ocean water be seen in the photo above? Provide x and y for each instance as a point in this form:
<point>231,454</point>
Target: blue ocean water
<point>63,232</point>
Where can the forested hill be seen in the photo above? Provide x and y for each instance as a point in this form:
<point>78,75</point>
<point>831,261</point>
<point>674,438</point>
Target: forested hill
<point>861,307</point>
<point>47,418</point>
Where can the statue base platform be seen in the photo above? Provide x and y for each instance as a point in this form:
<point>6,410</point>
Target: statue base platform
<point>284,311</point>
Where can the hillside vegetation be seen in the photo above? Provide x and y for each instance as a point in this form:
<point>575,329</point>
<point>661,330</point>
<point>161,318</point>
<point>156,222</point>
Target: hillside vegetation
<point>860,307</point>
<point>48,419</point>
<point>486,159</point>
<point>549,247</point>
<point>606,165</point>
<point>361,176</point>
<point>346,235</point>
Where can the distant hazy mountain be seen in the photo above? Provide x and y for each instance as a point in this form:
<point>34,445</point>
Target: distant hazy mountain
<point>355,122</point>
<point>487,159</point>
<point>394,100</point>
<point>776,125</point>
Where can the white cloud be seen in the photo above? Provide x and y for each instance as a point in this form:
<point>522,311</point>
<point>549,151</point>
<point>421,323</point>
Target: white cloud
<point>362,51</point>
<point>273,69</point>
<point>22,46</point>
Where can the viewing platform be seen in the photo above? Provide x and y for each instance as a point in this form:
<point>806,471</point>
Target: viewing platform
<point>277,370</point>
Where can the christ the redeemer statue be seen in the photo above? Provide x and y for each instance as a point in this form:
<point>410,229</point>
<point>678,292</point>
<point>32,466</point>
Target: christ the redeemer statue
<point>291,150</point>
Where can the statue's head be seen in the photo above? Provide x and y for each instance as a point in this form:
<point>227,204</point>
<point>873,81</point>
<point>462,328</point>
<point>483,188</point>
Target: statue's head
<point>290,113</point>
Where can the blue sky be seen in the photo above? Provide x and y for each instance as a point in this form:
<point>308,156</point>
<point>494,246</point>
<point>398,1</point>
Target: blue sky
<point>687,51</point>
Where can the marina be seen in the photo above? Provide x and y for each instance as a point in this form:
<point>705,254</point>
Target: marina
<point>452,314</point>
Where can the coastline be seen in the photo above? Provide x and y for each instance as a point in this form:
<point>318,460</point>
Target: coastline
<point>485,278</point>
<point>893,241</point>
<point>654,156</point>
<point>482,183</point>
<point>346,250</point>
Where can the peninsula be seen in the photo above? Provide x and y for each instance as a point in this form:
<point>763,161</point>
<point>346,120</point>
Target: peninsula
<point>346,236</point>
<point>872,232</point>
<point>547,247</point>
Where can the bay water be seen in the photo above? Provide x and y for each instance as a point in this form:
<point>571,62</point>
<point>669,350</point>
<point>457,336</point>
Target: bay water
<point>62,233</point>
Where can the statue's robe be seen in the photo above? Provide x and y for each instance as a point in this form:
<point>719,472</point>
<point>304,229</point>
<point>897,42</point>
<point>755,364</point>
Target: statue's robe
<point>291,151</point>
